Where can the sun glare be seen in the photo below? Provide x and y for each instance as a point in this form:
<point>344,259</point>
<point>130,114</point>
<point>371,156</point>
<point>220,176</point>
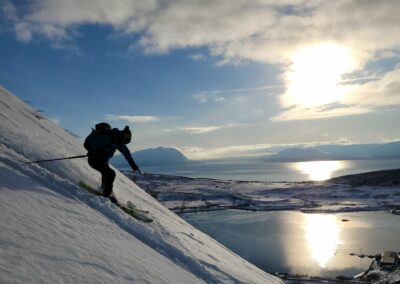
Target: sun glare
<point>319,170</point>
<point>315,75</point>
<point>322,235</point>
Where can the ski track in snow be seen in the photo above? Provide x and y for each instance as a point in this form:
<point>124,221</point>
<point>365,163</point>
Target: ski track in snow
<point>53,231</point>
<point>59,221</point>
<point>154,240</point>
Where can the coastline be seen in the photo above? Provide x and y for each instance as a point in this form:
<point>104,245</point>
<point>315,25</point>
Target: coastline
<point>373,191</point>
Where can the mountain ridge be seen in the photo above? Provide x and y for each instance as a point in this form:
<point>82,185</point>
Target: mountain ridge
<point>154,156</point>
<point>338,152</point>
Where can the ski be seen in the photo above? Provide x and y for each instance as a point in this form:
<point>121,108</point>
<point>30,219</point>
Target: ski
<point>130,208</point>
<point>136,214</point>
<point>89,189</point>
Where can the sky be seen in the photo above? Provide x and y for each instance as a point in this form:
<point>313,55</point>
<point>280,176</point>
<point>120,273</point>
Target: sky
<point>212,78</point>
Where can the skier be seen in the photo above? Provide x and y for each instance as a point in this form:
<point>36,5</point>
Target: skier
<point>101,145</point>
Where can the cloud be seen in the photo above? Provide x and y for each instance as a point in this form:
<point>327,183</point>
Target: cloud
<point>258,150</point>
<point>300,113</point>
<point>205,129</point>
<point>201,130</point>
<point>25,29</point>
<point>260,30</point>
<point>376,94</point>
<point>248,150</point>
<point>205,97</point>
<point>23,32</point>
<point>263,30</point>
<point>220,95</point>
<point>198,57</point>
<point>200,153</point>
<point>133,118</point>
<point>359,98</point>
<point>8,11</point>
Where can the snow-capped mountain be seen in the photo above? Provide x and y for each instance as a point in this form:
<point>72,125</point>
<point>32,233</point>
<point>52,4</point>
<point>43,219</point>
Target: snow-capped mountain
<point>54,232</point>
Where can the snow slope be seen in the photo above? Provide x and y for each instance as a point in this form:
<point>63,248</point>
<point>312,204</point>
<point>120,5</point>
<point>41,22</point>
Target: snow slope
<point>52,231</point>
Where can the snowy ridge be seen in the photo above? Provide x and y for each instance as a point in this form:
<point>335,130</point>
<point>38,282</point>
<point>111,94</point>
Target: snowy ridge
<point>52,231</point>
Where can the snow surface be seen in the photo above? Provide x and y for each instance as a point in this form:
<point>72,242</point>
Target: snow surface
<point>54,232</point>
<point>377,274</point>
<point>182,194</point>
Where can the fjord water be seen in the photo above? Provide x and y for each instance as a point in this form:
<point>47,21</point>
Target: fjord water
<point>298,243</point>
<point>275,171</point>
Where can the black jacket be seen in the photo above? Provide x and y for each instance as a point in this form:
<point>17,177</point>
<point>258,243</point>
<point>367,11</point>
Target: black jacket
<point>102,146</point>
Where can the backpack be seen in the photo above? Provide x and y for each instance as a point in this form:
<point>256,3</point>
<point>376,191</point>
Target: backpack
<point>99,138</point>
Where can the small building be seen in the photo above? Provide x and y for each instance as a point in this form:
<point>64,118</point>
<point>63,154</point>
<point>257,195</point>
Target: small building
<point>389,259</point>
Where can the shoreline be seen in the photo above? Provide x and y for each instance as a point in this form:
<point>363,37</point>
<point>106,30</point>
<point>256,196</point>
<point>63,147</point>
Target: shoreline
<point>191,195</point>
<point>185,195</point>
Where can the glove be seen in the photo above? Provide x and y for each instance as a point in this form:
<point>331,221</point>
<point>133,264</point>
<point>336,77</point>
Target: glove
<point>134,166</point>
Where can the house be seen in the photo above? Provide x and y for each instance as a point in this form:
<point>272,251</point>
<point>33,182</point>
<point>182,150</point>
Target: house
<point>389,259</point>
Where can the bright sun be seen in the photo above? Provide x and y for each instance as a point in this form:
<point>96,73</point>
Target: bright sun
<point>315,75</point>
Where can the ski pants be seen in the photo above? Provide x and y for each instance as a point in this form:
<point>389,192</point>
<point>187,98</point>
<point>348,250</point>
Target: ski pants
<point>107,174</point>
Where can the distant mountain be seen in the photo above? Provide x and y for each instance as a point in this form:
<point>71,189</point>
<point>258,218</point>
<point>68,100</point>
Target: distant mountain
<point>353,151</point>
<point>338,152</point>
<point>387,151</point>
<point>298,155</point>
<point>153,157</point>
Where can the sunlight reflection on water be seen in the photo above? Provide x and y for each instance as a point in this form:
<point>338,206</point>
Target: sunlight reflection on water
<point>319,170</point>
<point>300,243</point>
<point>322,236</point>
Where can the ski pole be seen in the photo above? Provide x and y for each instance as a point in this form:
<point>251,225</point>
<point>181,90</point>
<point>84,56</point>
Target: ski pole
<point>67,158</point>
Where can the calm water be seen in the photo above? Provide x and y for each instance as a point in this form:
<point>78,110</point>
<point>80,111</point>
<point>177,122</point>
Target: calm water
<point>294,242</point>
<point>274,171</point>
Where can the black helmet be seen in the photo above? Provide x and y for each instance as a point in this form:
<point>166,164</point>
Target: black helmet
<point>126,135</point>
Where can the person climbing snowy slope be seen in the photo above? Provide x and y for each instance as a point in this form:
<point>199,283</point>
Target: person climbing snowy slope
<point>101,144</point>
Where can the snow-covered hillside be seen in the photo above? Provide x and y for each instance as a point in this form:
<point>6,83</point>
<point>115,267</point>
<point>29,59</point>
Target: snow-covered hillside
<point>54,232</point>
